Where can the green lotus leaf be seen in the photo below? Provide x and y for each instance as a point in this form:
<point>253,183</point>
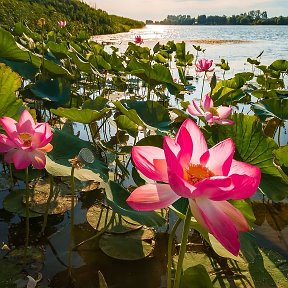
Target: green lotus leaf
<point>56,69</point>
<point>258,268</point>
<point>281,155</point>
<point>11,50</point>
<point>13,203</point>
<point>99,216</point>
<point>26,70</point>
<point>85,116</point>
<point>196,277</point>
<point>152,140</point>
<point>124,123</point>
<point>151,113</point>
<point>126,246</point>
<point>254,147</point>
<point>98,103</point>
<point>67,146</point>
<point>10,272</point>
<point>55,90</point>
<point>230,90</point>
<point>130,113</point>
<point>279,65</point>
<point>10,82</point>
<point>154,75</point>
<point>60,202</point>
<point>270,108</point>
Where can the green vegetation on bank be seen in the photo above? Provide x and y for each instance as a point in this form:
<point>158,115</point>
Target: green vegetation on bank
<point>254,17</point>
<point>78,15</point>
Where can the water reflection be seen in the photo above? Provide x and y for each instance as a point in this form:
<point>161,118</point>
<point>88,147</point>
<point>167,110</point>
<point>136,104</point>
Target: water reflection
<point>146,273</point>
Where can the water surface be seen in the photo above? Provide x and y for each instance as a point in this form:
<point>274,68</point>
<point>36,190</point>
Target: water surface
<point>240,42</point>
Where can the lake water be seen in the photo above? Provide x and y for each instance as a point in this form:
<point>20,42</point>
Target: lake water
<point>233,43</point>
<point>240,42</point>
<point>150,272</point>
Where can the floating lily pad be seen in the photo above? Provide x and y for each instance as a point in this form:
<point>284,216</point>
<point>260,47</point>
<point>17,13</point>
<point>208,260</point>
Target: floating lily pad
<point>128,246</point>
<point>60,203</point>
<point>14,204</point>
<point>196,277</point>
<point>98,217</point>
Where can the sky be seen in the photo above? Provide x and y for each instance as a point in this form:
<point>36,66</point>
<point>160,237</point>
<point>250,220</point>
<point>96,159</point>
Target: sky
<point>159,9</point>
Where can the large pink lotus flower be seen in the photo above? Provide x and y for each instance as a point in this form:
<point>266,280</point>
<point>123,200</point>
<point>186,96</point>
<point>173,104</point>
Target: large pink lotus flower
<point>204,65</point>
<point>212,114</point>
<point>62,23</point>
<point>138,40</point>
<point>185,167</point>
<point>25,142</point>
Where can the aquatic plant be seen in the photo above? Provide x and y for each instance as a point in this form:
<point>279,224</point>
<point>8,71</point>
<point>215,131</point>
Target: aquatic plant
<point>204,65</point>
<point>26,142</point>
<point>213,115</point>
<point>207,177</point>
<point>128,107</point>
<point>138,40</point>
<point>62,23</point>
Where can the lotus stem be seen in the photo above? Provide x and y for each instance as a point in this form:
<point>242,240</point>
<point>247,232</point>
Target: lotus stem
<point>51,180</point>
<point>11,175</point>
<point>203,85</point>
<point>169,255</point>
<point>71,220</point>
<point>182,248</point>
<point>27,216</point>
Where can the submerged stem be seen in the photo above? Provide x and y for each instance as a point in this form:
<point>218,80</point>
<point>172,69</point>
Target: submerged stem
<point>182,248</point>
<point>51,180</point>
<point>102,231</point>
<point>71,220</point>
<point>27,216</point>
<point>169,255</point>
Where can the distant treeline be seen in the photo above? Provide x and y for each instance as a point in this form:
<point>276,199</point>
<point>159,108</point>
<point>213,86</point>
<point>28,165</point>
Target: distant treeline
<point>78,15</point>
<point>254,17</point>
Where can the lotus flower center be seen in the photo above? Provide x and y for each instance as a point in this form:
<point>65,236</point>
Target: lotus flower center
<point>26,138</point>
<point>213,111</point>
<point>196,172</point>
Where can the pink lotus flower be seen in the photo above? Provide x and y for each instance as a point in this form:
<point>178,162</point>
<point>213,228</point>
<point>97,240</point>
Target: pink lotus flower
<point>138,40</point>
<point>207,177</point>
<point>25,142</point>
<point>204,65</point>
<point>212,114</point>
<point>62,23</point>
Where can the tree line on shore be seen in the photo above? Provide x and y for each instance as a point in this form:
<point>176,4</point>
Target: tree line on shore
<point>78,15</point>
<point>253,17</point>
